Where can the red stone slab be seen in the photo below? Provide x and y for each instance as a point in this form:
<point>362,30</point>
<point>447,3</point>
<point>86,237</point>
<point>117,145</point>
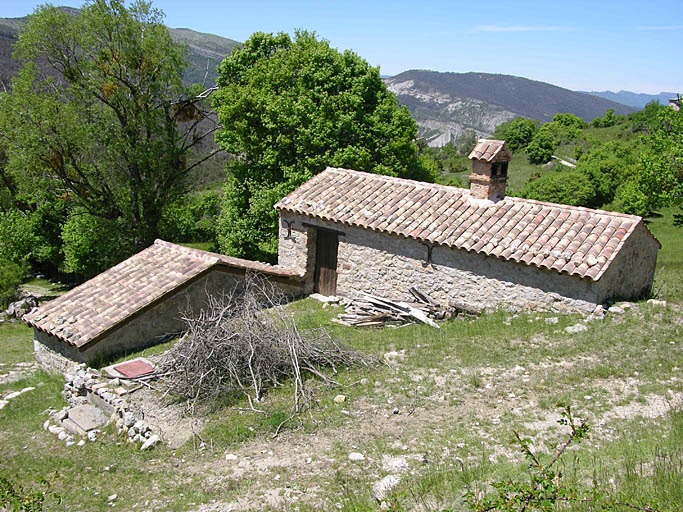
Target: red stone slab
<point>135,368</point>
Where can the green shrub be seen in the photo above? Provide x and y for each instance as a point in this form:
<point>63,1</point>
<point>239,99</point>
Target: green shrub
<point>540,149</point>
<point>571,187</point>
<point>11,275</point>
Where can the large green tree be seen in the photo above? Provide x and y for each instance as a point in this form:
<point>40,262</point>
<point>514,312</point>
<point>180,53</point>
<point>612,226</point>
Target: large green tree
<point>290,107</point>
<point>99,117</point>
<point>661,169</point>
<point>518,133</point>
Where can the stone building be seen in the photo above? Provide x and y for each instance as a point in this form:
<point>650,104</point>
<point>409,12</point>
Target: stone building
<point>345,232</point>
<point>138,303</point>
<point>350,232</point>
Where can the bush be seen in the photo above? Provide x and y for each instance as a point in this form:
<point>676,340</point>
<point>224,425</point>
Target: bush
<point>540,149</point>
<point>11,275</point>
<point>630,198</point>
<point>607,167</point>
<point>605,121</point>
<point>571,187</point>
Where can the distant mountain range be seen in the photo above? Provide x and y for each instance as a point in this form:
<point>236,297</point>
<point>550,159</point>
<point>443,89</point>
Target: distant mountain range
<point>634,99</point>
<point>447,106</point>
<point>205,51</point>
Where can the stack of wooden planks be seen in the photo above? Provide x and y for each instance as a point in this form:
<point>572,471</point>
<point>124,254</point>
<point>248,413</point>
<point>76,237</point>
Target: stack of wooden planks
<point>370,311</point>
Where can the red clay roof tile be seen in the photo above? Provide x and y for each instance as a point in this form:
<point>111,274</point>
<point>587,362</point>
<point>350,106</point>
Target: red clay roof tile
<point>100,304</point>
<point>575,240</point>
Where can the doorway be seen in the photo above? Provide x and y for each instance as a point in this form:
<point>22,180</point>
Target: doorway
<point>326,245</point>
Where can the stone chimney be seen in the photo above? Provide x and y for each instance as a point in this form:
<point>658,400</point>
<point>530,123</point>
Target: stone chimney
<point>489,169</point>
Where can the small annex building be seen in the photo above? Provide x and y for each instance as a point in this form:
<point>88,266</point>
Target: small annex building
<point>351,232</point>
<point>138,303</point>
<point>346,232</point>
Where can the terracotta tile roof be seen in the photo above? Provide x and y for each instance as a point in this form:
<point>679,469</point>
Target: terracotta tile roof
<point>573,240</point>
<point>488,149</point>
<point>97,306</point>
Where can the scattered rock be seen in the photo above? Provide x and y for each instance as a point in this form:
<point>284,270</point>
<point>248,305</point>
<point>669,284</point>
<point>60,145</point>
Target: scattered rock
<point>576,328</point>
<point>552,320</point>
<point>129,419</point>
<point>356,457</point>
<point>394,464</point>
<point>3,403</point>
<point>395,410</point>
<point>153,440</point>
<point>615,310</point>
<point>54,429</point>
<point>324,298</point>
<point>231,456</point>
<point>112,497</point>
<point>340,399</point>
<point>81,442</point>
<point>382,488</point>
<point>92,436</point>
<point>657,302</point>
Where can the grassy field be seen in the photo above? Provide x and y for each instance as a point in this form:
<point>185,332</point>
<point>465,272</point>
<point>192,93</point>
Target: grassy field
<point>458,392</point>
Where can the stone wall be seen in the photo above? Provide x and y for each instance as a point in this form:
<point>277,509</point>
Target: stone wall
<point>388,265</point>
<point>296,247</point>
<point>631,273</point>
<point>149,327</point>
<point>53,355</point>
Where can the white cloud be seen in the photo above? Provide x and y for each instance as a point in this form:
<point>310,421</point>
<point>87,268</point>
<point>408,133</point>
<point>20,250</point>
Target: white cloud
<point>520,28</point>
<point>661,27</point>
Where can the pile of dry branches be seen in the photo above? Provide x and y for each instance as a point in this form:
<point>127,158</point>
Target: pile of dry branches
<point>245,342</point>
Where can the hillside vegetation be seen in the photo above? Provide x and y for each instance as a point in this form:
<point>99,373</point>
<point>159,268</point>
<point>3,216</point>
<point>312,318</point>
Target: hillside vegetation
<point>605,164</point>
<point>439,416</point>
<point>205,51</point>
<point>448,105</point>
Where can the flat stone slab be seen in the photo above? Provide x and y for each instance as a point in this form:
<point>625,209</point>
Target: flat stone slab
<point>87,417</point>
<point>134,368</point>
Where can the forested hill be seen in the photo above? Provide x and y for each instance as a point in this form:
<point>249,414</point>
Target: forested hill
<point>634,99</point>
<point>528,98</point>
<point>448,106</point>
<point>205,51</point>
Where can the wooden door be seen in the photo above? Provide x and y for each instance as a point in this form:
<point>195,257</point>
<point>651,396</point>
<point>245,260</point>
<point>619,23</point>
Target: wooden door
<point>327,244</point>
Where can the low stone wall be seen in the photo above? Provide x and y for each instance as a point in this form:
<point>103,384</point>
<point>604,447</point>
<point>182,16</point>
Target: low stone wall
<point>388,265</point>
<point>53,355</point>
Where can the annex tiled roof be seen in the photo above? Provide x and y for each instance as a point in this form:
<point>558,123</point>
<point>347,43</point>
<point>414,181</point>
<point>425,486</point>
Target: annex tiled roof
<point>573,240</point>
<point>488,149</point>
<point>99,305</point>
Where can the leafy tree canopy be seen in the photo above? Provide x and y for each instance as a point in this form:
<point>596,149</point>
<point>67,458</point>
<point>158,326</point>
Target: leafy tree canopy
<point>290,107</point>
<point>540,149</point>
<point>110,127</point>
<point>661,169</point>
<point>518,133</point>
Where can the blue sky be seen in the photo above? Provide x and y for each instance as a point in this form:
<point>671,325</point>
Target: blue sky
<point>580,45</point>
